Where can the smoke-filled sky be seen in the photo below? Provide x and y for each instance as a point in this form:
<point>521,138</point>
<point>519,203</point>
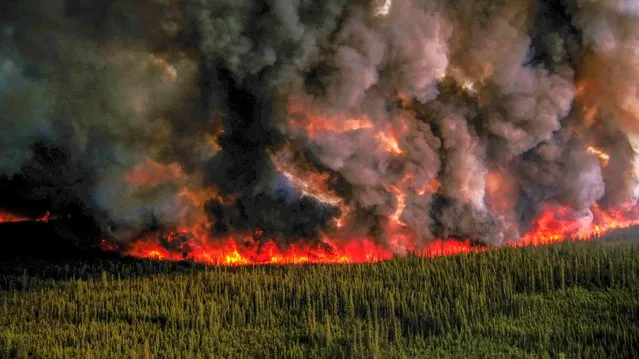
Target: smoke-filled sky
<point>456,118</point>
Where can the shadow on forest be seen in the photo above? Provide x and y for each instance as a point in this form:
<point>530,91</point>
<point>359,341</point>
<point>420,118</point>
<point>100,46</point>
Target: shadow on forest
<point>38,252</point>
<point>45,251</point>
<point>38,239</point>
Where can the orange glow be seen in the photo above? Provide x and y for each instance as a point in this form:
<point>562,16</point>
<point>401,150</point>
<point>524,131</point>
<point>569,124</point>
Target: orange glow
<point>169,71</point>
<point>192,239</point>
<point>389,142</point>
<point>314,123</point>
<point>7,217</point>
<point>604,158</point>
<point>328,251</point>
<point>400,198</point>
<point>555,224</point>
<point>213,139</point>
<point>308,181</point>
<point>431,187</point>
<point>151,173</point>
<point>448,248</point>
<point>558,223</point>
<point>230,252</point>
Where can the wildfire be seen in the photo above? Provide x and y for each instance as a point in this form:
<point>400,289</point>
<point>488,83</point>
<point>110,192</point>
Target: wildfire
<point>193,239</point>
<point>559,223</point>
<point>194,242</point>
<point>230,252</point>
<point>8,217</point>
<point>327,251</point>
<point>553,225</point>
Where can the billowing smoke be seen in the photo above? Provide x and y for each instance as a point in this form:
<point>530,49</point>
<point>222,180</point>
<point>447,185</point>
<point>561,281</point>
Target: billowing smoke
<point>293,119</point>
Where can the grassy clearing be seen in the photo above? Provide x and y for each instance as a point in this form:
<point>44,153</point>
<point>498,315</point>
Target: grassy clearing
<point>572,299</point>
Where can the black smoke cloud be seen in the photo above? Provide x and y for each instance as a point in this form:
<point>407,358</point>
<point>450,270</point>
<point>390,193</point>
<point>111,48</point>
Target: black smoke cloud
<point>123,112</point>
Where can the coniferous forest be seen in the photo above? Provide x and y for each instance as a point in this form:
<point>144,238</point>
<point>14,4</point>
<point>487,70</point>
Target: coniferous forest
<point>566,300</point>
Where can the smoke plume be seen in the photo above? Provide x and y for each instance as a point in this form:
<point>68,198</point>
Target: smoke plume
<point>290,120</point>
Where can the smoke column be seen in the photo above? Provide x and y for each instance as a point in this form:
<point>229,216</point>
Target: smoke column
<point>288,122</point>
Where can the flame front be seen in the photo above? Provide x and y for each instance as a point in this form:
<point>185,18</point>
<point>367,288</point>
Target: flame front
<point>230,252</point>
<point>9,217</point>
<point>194,240</point>
<point>554,225</point>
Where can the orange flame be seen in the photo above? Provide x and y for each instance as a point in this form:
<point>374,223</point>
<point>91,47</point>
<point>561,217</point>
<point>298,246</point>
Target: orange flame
<point>314,123</point>
<point>555,224</point>
<point>308,181</point>
<point>251,252</point>
<point>193,240</point>
<point>559,223</point>
<point>389,142</point>
<point>8,217</point>
<point>328,251</point>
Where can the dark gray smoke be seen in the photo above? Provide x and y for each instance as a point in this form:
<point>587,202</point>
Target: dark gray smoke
<point>296,117</point>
